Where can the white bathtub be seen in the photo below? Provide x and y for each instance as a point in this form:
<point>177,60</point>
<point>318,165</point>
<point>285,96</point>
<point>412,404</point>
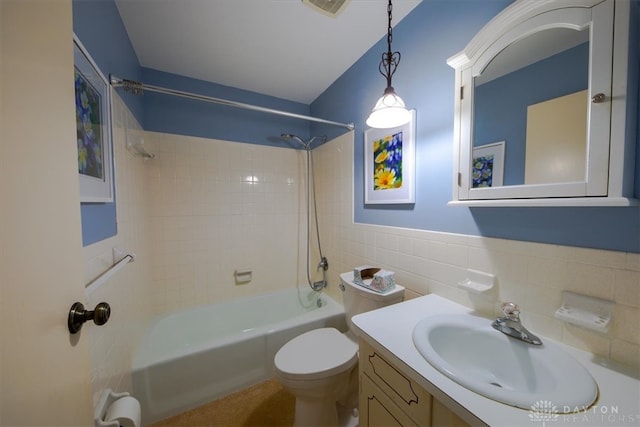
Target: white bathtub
<point>194,356</point>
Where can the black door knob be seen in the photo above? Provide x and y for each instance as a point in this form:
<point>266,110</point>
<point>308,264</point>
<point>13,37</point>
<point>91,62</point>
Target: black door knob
<point>78,315</point>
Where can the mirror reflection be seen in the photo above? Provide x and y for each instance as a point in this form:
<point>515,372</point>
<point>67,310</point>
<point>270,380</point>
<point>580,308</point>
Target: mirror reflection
<point>530,112</point>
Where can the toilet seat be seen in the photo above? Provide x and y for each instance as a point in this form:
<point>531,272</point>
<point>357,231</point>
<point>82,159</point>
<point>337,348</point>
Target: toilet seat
<point>316,354</point>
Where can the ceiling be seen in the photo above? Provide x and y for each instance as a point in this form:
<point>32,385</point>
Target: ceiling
<point>281,48</point>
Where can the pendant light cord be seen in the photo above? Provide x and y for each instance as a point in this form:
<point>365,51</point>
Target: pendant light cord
<point>389,59</point>
<point>389,111</point>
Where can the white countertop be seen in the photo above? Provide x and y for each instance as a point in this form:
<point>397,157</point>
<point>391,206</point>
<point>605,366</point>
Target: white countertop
<point>391,327</point>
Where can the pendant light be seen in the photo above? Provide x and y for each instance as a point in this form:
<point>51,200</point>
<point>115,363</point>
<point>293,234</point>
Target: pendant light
<point>389,111</point>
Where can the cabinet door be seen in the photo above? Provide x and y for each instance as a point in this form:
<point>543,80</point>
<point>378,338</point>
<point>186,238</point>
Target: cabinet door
<point>494,132</point>
<point>377,410</point>
<point>401,389</point>
<point>443,416</point>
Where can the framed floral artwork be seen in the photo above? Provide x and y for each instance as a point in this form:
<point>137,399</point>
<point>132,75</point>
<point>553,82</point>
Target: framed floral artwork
<point>93,128</point>
<point>487,165</point>
<point>389,164</point>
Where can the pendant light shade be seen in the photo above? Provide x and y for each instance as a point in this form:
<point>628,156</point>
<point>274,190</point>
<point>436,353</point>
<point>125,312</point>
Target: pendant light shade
<point>390,110</point>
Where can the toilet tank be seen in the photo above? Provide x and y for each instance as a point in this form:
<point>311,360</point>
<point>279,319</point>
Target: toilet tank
<point>358,299</point>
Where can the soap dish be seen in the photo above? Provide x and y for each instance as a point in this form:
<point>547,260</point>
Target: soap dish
<point>477,282</point>
<point>588,312</point>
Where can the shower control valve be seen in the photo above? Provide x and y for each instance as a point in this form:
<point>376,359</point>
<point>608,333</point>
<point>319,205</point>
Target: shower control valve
<point>323,264</point>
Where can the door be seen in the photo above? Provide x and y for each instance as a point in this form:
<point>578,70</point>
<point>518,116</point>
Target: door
<point>44,371</point>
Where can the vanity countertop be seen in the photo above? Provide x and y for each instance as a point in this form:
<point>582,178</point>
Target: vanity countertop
<point>390,329</point>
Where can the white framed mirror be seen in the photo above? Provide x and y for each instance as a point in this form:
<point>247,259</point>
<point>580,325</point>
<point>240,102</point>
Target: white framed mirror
<point>541,96</point>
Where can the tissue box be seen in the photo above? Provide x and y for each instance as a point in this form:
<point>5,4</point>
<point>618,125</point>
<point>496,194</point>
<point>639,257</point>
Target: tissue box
<point>374,278</point>
<point>383,281</point>
<point>362,273</point>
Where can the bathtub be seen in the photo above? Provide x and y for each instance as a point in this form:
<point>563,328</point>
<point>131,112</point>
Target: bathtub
<point>194,356</point>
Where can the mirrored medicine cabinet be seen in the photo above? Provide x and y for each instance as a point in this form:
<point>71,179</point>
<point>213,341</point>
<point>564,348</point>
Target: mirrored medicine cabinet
<point>544,112</point>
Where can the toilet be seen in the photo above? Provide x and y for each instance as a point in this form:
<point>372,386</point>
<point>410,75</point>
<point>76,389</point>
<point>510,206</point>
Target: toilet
<point>319,367</point>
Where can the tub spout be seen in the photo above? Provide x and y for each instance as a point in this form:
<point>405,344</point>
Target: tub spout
<point>319,285</point>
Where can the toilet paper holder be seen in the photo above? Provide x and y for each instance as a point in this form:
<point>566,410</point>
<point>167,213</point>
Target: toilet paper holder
<point>106,399</point>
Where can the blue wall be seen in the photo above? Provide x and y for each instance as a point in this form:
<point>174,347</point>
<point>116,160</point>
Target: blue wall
<point>434,31</point>
<point>98,25</point>
<point>170,114</point>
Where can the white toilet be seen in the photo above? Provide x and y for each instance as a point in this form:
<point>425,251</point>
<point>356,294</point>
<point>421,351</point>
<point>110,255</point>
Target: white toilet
<point>319,367</point>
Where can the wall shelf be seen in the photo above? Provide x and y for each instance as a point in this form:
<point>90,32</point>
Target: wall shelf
<point>588,312</point>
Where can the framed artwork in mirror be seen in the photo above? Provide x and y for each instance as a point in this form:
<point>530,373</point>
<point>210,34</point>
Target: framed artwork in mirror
<point>487,165</point>
<point>93,128</point>
<point>389,164</point>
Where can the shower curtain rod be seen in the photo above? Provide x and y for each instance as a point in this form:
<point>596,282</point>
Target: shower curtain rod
<point>137,88</point>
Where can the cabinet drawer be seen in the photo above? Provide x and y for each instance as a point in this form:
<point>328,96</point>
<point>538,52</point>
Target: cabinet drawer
<point>377,409</point>
<point>404,392</point>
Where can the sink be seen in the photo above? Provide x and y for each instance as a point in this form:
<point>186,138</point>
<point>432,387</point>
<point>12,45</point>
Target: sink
<point>470,352</point>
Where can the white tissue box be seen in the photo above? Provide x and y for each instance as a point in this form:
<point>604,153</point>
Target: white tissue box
<point>374,278</point>
<point>362,273</point>
<point>383,280</point>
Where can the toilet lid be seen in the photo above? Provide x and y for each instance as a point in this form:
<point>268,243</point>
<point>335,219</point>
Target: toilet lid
<point>316,354</point>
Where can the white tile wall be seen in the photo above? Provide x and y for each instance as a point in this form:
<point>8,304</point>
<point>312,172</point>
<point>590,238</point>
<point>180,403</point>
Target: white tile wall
<point>530,274</point>
<point>127,292</point>
<point>203,208</point>
<point>218,206</point>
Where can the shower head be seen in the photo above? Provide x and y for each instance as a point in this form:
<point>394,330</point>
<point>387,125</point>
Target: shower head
<point>305,144</point>
<point>323,138</point>
<point>290,137</point>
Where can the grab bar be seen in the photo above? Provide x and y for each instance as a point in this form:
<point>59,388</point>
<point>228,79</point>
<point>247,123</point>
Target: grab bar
<point>110,272</point>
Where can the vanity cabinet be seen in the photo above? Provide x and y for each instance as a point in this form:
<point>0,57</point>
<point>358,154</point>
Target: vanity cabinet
<point>389,397</point>
<point>379,409</point>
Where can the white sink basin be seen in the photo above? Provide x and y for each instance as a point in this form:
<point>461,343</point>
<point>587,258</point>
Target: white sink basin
<point>469,351</point>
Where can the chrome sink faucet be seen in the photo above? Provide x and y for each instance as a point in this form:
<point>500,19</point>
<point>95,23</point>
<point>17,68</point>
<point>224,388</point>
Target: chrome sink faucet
<point>510,324</point>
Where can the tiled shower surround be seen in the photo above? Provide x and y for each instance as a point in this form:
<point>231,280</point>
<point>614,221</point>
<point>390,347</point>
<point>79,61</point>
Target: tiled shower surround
<point>204,208</point>
<point>218,207</point>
